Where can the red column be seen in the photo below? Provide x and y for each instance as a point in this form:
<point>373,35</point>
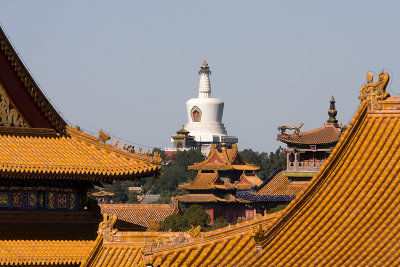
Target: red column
<point>211,213</point>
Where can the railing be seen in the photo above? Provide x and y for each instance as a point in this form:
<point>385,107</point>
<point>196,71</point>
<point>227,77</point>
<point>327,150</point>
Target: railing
<point>305,166</point>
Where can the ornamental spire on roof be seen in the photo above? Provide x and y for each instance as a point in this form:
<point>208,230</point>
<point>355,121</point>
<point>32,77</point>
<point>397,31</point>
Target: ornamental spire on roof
<point>204,85</point>
<point>332,112</point>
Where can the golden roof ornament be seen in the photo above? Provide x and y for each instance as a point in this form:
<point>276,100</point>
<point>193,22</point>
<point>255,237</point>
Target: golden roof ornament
<point>106,227</point>
<point>374,93</point>
<point>259,234</point>
<point>195,232</point>
<point>205,63</point>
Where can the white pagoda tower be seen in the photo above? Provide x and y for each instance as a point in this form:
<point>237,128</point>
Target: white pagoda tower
<point>204,117</point>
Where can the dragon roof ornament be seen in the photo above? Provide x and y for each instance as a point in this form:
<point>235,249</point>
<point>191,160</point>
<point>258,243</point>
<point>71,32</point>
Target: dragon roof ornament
<point>373,93</point>
<point>106,227</point>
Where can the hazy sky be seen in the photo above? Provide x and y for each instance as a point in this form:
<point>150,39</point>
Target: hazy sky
<point>128,67</point>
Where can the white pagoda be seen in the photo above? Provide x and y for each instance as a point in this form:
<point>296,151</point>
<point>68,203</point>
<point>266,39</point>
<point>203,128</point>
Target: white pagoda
<point>204,119</point>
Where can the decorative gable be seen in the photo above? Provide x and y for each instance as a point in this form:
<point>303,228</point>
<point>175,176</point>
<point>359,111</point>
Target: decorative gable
<point>9,115</point>
<point>216,160</point>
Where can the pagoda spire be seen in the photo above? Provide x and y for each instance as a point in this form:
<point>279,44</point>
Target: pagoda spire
<point>204,85</point>
<point>332,112</point>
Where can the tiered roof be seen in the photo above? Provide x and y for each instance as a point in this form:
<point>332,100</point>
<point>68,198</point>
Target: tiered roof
<point>277,188</point>
<point>350,213</point>
<point>140,214</point>
<point>219,159</point>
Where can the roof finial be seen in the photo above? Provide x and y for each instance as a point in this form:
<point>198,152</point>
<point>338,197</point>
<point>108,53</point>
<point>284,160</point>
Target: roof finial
<point>204,68</point>
<point>332,112</point>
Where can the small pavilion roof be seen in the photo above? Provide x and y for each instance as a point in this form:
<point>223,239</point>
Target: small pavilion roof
<point>183,131</point>
<point>221,158</point>
<point>326,134</point>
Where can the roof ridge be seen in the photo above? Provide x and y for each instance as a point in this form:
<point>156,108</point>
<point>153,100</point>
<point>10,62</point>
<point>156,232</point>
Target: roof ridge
<point>93,140</point>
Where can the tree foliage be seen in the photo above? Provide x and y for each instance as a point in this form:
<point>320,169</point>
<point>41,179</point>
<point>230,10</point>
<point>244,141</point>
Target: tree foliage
<point>219,223</point>
<point>195,215</point>
<point>268,163</point>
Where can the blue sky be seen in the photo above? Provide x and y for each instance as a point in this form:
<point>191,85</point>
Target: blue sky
<point>129,66</point>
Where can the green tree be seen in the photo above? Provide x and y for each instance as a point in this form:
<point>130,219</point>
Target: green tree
<point>195,215</point>
<point>268,163</point>
<point>277,208</point>
<point>219,223</point>
<point>132,198</point>
<point>174,173</point>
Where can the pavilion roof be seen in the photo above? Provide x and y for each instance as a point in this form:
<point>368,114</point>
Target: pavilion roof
<point>227,158</point>
<point>326,134</point>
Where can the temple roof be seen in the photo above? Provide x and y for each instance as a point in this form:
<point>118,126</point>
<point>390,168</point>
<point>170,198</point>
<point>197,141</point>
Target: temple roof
<point>326,134</point>
<point>76,155</point>
<point>277,188</point>
<point>227,158</point>
<point>140,214</point>
<point>183,131</point>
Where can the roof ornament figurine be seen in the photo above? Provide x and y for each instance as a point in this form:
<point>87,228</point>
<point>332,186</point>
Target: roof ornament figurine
<point>106,227</point>
<point>296,129</point>
<point>116,143</point>
<point>259,234</point>
<point>123,146</point>
<point>103,137</point>
<point>195,232</point>
<point>374,93</point>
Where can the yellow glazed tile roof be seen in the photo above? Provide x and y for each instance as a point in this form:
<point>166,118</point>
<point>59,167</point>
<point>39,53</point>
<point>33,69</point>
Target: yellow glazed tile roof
<point>210,249</point>
<point>140,214</point>
<point>349,215</point>
<point>74,156</point>
<point>280,185</point>
<point>326,134</point>
<point>44,252</point>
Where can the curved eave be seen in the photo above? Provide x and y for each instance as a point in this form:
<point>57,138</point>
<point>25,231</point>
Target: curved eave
<point>76,175</point>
